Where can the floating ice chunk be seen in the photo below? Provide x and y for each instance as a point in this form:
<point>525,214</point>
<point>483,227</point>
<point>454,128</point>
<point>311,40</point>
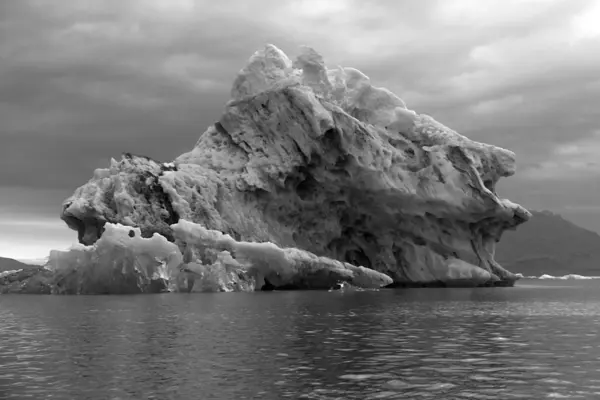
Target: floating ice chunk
<point>411,182</point>
<point>121,261</point>
<point>11,272</point>
<point>568,277</point>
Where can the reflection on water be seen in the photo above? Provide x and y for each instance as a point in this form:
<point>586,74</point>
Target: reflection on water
<point>528,342</point>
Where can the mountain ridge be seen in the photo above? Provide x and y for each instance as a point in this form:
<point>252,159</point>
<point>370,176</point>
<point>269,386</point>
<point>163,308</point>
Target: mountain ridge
<point>564,248</point>
<point>10,264</point>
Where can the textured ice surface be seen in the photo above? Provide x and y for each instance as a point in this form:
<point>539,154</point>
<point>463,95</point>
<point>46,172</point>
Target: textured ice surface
<point>315,161</point>
<point>268,263</point>
<point>121,261</point>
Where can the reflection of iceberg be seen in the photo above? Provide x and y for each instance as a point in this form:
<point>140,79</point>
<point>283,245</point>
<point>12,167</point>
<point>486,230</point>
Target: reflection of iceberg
<point>121,262</point>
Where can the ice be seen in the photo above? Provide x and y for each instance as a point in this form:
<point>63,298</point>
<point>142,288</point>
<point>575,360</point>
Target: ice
<point>568,277</point>
<point>266,262</point>
<point>563,278</point>
<point>121,261</point>
<point>461,270</point>
<point>320,159</point>
<point>7,273</point>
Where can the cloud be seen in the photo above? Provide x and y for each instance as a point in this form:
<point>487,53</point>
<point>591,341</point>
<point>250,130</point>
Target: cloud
<point>585,24</point>
<point>590,208</point>
<point>574,160</point>
<point>494,106</point>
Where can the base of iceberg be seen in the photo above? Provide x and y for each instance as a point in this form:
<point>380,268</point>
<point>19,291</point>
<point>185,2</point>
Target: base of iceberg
<point>201,260</point>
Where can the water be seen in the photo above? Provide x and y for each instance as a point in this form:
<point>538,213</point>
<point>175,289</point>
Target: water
<point>535,341</point>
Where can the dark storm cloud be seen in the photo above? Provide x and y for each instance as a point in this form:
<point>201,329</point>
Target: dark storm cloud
<point>96,76</point>
<point>84,80</point>
<point>518,83</point>
<point>89,83</point>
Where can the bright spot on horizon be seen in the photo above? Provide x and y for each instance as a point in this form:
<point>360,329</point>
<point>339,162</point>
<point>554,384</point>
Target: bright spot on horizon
<point>30,239</point>
<point>318,8</point>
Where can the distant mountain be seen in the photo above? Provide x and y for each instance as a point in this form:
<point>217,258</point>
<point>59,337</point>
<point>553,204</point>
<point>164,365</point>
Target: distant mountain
<point>8,264</point>
<point>33,261</point>
<point>549,244</point>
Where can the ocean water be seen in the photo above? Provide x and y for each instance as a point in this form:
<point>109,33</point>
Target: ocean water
<point>537,340</point>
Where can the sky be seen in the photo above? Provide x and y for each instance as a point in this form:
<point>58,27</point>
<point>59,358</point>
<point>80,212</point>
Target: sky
<point>82,81</point>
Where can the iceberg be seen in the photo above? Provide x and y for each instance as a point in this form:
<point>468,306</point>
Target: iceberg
<point>311,175</point>
<point>11,272</point>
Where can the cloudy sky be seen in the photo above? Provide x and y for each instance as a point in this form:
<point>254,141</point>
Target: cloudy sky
<point>85,80</point>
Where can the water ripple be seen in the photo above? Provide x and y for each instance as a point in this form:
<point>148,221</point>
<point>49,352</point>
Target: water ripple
<point>510,343</point>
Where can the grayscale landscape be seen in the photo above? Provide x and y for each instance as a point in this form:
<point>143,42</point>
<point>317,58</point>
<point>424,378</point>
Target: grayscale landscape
<point>303,199</point>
